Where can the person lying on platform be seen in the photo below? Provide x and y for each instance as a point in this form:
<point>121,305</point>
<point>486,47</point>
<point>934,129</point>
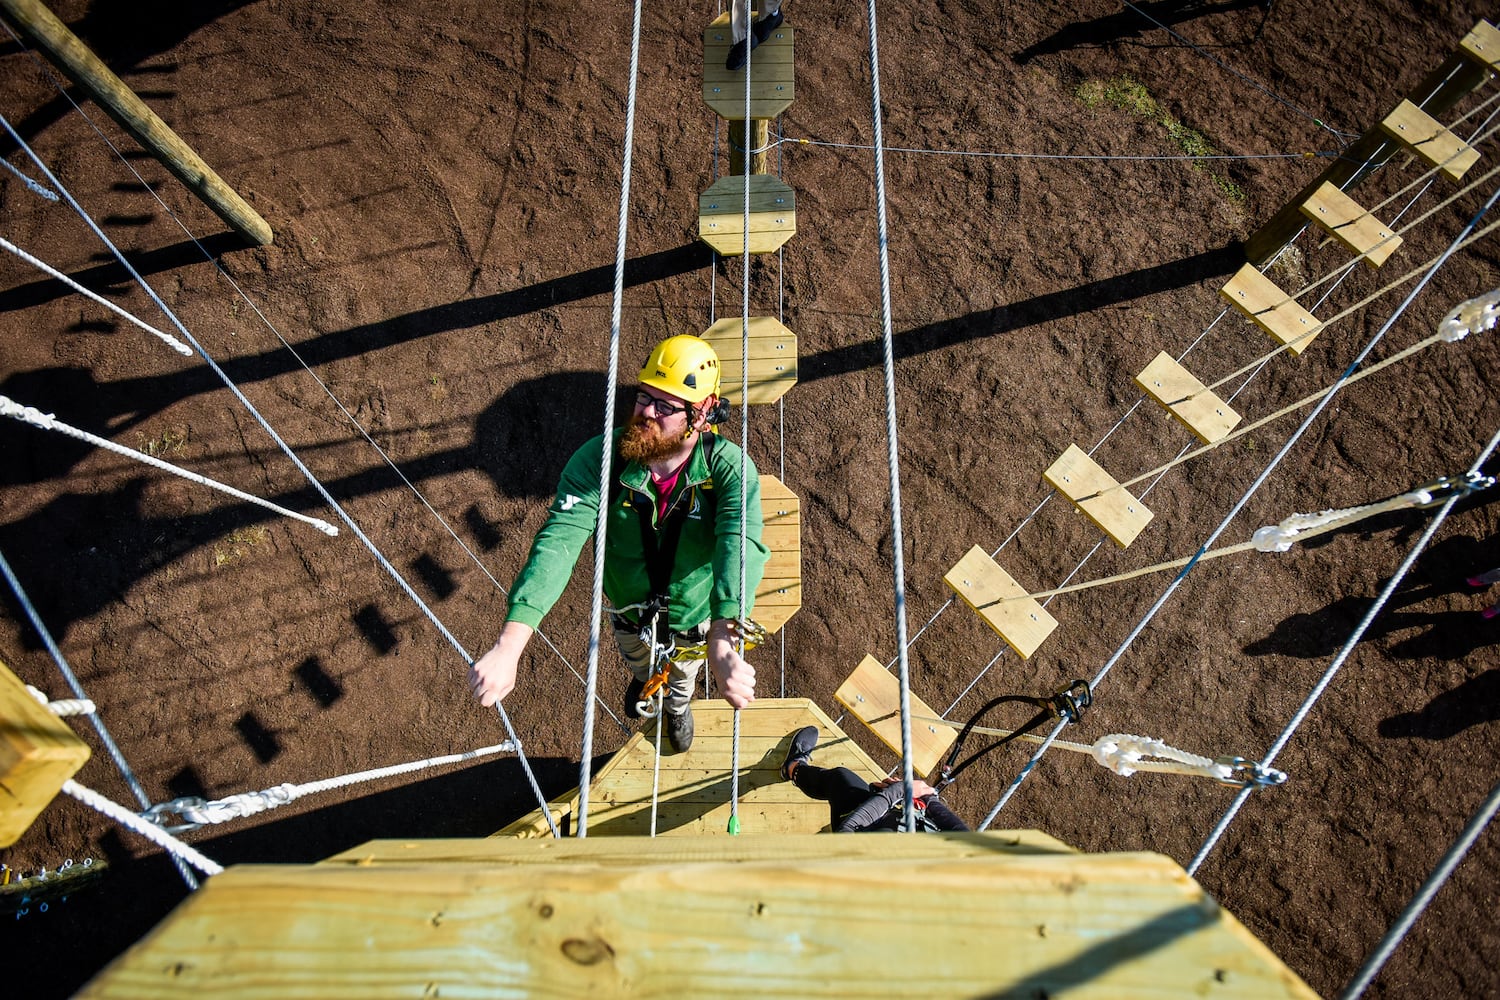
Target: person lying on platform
<point>743,41</point>
<point>672,543</point>
<point>859,806</point>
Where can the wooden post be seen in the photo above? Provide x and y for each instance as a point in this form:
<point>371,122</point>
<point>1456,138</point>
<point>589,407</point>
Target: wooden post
<point>1442,88</point>
<point>760,131</point>
<point>132,114</point>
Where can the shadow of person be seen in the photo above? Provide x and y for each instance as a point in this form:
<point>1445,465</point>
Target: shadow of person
<point>1475,701</point>
<point>523,439</point>
<point>1132,23</point>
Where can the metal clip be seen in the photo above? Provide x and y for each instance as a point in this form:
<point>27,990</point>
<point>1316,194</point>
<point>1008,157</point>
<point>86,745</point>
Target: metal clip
<point>1452,488</point>
<point>1244,772</point>
<point>1069,703</point>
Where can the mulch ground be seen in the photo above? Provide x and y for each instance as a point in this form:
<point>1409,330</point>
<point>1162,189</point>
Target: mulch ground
<point>444,186</point>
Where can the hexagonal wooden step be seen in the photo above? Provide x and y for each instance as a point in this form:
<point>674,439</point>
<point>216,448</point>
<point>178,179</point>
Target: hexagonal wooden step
<point>773,358</point>
<point>779,595</point>
<point>721,214</point>
<point>772,89</point>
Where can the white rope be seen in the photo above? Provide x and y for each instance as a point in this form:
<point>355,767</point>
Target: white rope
<point>131,821</point>
<point>46,421</point>
<point>46,268</point>
<point>591,687</point>
<point>197,812</point>
<point>64,707</point>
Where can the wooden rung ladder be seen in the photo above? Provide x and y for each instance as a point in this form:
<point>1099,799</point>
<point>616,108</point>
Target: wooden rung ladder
<point>773,358</point>
<point>1346,220</point>
<point>1271,309</point>
<point>1095,492</point>
<point>1002,602</point>
<point>721,214</point>
<point>779,595</point>
<point>873,694</point>
<point>1190,401</point>
<point>1425,136</point>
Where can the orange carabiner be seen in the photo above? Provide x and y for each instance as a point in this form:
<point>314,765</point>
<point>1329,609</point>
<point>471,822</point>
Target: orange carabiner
<point>655,683</point>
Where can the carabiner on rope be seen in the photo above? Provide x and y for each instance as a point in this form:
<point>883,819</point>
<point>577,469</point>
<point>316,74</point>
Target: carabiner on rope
<point>1452,487</point>
<point>1244,773</point>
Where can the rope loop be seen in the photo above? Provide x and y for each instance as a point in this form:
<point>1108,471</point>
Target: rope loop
<point>1473,316</point>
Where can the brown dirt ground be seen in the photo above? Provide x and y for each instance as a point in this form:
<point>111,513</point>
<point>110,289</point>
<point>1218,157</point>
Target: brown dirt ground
<point>444,188</point>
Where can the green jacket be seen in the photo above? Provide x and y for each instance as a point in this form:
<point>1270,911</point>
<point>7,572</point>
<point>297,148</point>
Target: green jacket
<point>705,581</point>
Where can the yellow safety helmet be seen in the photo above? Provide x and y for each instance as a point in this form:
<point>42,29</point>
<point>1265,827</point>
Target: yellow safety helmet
<point>684,366</point>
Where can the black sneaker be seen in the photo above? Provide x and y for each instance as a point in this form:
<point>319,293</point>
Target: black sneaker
<point>762,29</point>
<point>759,31</point>
<point>680,729</point>
<point>804,741</point>
<point>632,698</point>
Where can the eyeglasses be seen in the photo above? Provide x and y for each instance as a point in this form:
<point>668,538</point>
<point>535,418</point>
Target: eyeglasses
<point>662,407</point>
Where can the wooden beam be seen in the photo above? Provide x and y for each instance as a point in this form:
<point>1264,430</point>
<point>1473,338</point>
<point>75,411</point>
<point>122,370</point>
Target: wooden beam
<point>38,753</point>
<point>1188,400</point>
<point>873,694</point>
<point>1271,309</point>
<point>1425,136</point>
<point>994,596</point>
<point>131,113</point>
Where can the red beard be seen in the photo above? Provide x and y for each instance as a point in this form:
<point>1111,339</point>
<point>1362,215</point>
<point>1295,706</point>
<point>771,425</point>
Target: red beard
<point>644,442</point>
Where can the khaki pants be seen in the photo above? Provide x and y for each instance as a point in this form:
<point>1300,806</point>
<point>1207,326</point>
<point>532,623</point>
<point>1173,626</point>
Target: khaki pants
<point>637,654</point>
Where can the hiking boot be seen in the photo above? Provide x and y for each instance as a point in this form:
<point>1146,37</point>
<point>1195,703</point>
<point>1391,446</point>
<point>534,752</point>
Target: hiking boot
<point>679,729</point>
<point>762,29</point>
<point>804,741</point>
<point>633,697</point>
<point>759,32</point>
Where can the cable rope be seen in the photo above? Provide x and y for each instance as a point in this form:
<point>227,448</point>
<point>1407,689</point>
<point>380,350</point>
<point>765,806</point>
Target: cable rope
<point>265,320</point>
<point>285,448</point>
<point>47,421</point>
<point>585,764</point>
<point>1260,480</point>
<point>197,812</point>
<point>898,561</point>
<point>1238,75</point>
<point>71,679</point>
<point>36,188</point>
<point>1097,157</point>
<point>1343,654</point>
<point>51,271</point>
<point>1398,931</point>
<point>180,851</point>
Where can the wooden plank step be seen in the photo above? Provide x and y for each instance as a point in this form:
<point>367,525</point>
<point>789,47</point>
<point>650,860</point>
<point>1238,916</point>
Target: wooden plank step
<point>1271,309</point>
<point>1095,492</point>
<point>779,595</point>
<point>39,752</point>
<point>721,214</point>
<point>873,694</point>
<point>992,593</point>
<point>1346,220</point>
<point>1482,46</point>
<point>1425,136</point>
<point>772,76</point>
<point>1187,399</point>
<point>773,358</point>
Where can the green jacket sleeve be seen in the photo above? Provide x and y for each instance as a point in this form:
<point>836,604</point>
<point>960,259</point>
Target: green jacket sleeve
<point>570,521</point>
<point>724,602</point>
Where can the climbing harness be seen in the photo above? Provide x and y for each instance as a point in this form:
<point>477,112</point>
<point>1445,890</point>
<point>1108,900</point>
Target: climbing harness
<point>1067,705</point>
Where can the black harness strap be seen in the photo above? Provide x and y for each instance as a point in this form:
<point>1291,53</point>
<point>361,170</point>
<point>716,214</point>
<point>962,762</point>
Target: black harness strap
<point>1067,704</point>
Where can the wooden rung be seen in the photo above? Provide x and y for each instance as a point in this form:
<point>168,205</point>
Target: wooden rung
<point>1482,45</point>
<point>1271,309</point>
<point>1079,478</point>
<point>1425,135</point>
<point>773,358</point>
<point>772,79</point>
<point>779,595</point>
<point>1348,222</point>
<point>1187,399</point>
<point>992,593</point>
<point>38,753</point>
<point>873,695</point>
<point>721,214</point>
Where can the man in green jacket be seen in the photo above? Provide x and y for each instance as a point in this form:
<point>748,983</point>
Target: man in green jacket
<point>672,537</point>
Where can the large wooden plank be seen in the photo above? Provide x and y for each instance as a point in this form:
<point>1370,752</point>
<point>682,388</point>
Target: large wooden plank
<point>1346,220</point>
<point>38,754</point>
<point>1095,492</point>
<point>1425,136</point>
<point>1089,927</point>
<point>721,215</point>
<point>1002,602</point>
<point>1188,400</point>
<point>1271,309</point>
<point>772,74</point>
<point>873,695</point>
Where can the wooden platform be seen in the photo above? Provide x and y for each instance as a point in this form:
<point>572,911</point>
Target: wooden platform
<point>772,79</point>
<point>773,358</point>
<point>993,914</point>
<point>693,798</point>
<point>38,753</point>
<point>721,215</point>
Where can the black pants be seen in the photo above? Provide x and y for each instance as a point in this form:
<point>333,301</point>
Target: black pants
<point>841,788</point>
